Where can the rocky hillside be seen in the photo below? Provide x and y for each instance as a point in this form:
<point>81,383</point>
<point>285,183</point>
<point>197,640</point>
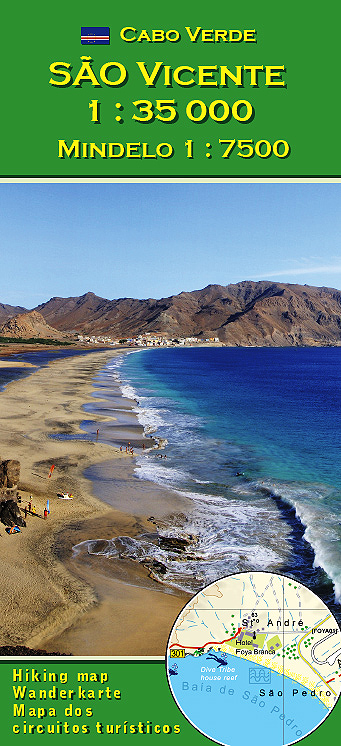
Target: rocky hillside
<point>247,313</point>
<point>28,325</point>
<point>7,311</point>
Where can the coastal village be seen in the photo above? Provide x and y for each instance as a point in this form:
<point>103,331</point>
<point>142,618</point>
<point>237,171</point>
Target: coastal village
<point>147,340</point>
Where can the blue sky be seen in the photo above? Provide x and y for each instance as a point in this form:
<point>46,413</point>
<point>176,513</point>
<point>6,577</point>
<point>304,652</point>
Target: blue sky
<point>152,240</point>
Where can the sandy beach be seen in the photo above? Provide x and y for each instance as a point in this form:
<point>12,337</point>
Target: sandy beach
<point>49,599</point>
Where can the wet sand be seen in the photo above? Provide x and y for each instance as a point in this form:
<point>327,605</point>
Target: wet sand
<point>15,364</point>
<point>49,599</point>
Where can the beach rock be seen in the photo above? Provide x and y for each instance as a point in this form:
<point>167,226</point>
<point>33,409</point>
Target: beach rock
<point>173,543</point>
<point>13,472</point>
<point>155,567</point>
<point>153,564</point>
<point>3,475</point>
<point>99,546</point>
<point>10,514</point>
<point>9,473</point>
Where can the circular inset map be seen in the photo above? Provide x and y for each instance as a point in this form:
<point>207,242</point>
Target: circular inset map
<point>255,658</point>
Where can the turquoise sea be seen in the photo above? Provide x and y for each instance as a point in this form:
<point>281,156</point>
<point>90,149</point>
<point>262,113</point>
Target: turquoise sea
<point>253,440</point>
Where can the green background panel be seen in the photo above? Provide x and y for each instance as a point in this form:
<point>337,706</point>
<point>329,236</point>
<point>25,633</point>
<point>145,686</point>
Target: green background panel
<point>300,35</point>
<point>145,697</point>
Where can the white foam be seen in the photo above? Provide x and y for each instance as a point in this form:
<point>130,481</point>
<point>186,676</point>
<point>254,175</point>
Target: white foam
<point>163,475</point>
<point>128,391</point>
<point>151,419</point>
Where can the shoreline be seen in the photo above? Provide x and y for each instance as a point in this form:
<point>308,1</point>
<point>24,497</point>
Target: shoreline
<point>49,600</point>
<point>298,554</point>
<point>8,350</point>
<point>16,364</point>
<point>87,604</point>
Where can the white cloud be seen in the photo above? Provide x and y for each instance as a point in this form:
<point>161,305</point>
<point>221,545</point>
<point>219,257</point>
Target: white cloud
<point>300,271</point>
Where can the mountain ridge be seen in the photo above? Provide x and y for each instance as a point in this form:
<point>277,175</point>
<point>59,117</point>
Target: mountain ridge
<point>248,313</point>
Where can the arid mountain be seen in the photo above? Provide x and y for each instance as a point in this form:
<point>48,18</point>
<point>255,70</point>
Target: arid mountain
<point>30,324</point>
<point>247,313</point>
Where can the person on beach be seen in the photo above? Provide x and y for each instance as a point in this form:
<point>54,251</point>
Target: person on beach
<point>34,510</point>
<point>97,434</point>
<point>45,514</point>
<point>30,504</point>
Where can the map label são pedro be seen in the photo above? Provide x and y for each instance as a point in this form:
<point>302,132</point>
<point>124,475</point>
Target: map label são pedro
<point>255,657</point>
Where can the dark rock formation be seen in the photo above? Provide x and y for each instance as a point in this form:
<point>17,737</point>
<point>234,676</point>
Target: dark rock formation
<point>99,545</point>
<point>173,543</point>
<point>10,513</point>
<point>153,564</point>
<point>9,474</point>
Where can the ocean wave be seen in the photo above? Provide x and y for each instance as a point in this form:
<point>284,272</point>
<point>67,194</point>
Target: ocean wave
<point>149,469</point>
<point>128,392</point>
<point>150,419</point>
<point>313,505</point>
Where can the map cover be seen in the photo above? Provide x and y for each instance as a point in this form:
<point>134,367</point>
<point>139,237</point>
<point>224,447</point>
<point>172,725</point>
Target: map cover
<point>170,94</point>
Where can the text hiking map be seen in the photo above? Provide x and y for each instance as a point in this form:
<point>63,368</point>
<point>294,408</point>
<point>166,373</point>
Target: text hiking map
<point>255,657</point>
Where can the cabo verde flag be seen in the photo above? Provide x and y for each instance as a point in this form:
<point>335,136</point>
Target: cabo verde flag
<point>95,35</point>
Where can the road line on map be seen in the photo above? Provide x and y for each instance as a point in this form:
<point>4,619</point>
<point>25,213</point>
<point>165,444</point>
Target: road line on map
<point>211,642</point>
<point>307,662</point>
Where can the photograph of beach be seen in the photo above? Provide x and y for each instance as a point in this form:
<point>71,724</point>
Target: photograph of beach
<point>170,403</point>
